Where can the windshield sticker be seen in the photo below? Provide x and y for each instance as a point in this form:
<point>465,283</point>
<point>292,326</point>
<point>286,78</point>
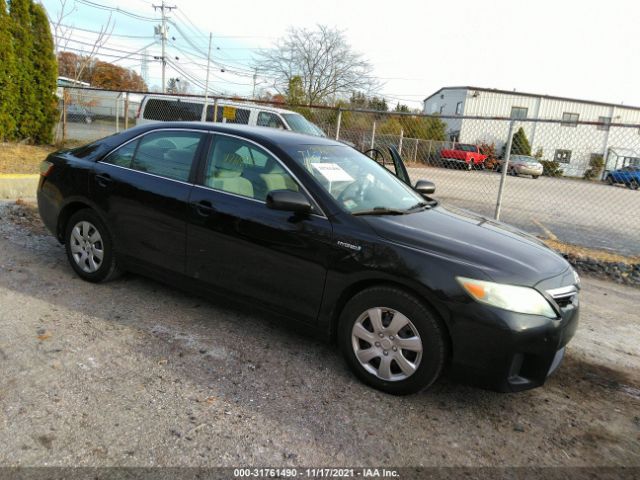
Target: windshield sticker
<point>332,172</point>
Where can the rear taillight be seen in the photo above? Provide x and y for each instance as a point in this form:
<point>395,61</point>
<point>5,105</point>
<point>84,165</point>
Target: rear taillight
<point>46,168</point>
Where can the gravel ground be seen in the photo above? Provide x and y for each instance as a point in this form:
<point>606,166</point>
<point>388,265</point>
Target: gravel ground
<point>133,373</point>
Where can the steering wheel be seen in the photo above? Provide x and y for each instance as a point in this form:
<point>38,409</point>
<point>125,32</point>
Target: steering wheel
<point>352,191</point>
<point>376,155</point>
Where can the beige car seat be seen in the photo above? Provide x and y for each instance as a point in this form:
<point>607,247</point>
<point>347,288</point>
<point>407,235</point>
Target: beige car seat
<point>226,174</point>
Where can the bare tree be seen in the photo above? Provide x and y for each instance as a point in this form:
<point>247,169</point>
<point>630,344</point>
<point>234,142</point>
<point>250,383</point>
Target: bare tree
<point>323,61</point>
<point>63,34</point>
<point>177,85</point>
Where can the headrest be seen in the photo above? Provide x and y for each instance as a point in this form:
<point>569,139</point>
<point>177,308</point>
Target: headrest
<point>228,165</point>
<point>179,156</point>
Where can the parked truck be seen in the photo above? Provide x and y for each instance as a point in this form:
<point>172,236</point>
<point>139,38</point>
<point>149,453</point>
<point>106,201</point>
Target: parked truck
<point>463,155</point>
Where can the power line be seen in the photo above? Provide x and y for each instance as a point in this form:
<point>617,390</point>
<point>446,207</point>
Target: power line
<point>112,34</point>
<point>117,10</point>
<point>127,52</point>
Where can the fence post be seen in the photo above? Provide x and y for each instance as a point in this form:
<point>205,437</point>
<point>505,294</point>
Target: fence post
<point>415,151</point>
<point>126,110</point>
<point>505,168</point>
<point>118,112</point>
<point>338,123</point>
<point>215,110</point>
<point>429,153</point>
<point>373,135</point>
<point>400,142</point>
<point>64,115</point>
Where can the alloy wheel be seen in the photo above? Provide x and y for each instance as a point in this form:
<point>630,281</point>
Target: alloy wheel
<point>87,247</point>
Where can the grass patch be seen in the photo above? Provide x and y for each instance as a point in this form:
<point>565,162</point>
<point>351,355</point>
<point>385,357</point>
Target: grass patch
<point>18,158</point>
<point>591,253</point>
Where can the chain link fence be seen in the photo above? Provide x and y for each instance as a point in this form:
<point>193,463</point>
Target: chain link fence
<point>572,181</point>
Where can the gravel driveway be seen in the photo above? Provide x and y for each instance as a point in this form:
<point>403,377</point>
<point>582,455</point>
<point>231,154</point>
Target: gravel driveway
<point>133,373</point>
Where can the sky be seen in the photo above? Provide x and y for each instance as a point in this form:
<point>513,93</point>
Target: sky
<point>583,49</point>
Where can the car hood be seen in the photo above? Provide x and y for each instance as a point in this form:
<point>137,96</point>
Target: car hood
<point>502,252</point>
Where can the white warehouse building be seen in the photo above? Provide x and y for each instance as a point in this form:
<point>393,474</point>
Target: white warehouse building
<point>570,143</point>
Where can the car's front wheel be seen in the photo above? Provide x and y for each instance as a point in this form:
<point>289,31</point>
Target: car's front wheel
<point>89,247</point>
<point>392,341</point>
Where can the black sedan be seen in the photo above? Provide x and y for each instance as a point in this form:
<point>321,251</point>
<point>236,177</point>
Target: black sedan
<point>322,234</point>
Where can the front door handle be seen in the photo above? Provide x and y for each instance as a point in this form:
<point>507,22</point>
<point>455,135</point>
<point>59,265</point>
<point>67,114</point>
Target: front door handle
<point>104,179</point>
<point>204,208</point>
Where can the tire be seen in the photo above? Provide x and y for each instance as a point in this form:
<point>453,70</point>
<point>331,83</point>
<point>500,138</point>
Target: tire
<point>610,180</point>
<point>535,177</point>
<point>423,335</point>
<point>85,236</point>
<point>633,185</point>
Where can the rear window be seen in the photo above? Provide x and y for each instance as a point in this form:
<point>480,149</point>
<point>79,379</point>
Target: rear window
<point>172,110</point>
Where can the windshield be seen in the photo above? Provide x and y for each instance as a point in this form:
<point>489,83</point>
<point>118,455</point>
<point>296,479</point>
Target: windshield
<point>301,125</point>
<point>467,148</point>
<point>357,183</point>
<point>523,158</point>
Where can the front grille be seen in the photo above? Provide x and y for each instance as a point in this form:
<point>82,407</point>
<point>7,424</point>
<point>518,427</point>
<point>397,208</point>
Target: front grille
<point>564,296</point>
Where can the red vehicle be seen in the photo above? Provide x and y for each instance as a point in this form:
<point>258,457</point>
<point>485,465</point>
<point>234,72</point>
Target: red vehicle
<point>463,155</point>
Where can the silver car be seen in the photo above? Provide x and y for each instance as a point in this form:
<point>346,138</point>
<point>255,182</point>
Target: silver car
<point>524,165</point>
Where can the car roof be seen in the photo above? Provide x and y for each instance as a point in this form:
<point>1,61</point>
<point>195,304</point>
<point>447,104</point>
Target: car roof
<point>258,134</point>
<point>233,103</point>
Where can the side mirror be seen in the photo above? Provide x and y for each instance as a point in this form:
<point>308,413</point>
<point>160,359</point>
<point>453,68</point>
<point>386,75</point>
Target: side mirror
<point>425,187</point>
<point>288,201</point>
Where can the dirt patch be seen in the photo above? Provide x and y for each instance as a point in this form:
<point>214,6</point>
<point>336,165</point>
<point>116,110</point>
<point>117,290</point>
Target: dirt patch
<point>25,214</point>
<point>584,252</point>
<point>18,158</point>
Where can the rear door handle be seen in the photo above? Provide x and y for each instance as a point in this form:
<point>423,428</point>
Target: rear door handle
<point>104,179</point>
<point>204,208</point>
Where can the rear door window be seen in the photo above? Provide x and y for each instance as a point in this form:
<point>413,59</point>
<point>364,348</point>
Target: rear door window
<point>172,110</point>
<point>168,154</point>
<point>123,156</point>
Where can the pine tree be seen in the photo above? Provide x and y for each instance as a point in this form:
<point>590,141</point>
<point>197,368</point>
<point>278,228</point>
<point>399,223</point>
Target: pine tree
<point>45,71</point>
<point>8,89</point>
<point>520,144</point>
<point>26,114</point>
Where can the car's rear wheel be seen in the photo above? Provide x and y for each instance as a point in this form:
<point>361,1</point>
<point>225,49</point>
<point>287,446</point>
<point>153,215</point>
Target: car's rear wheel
<point>535,177</point>
<point>392,341</point>
<point>89,247</point>
<point>633,185</point>
<point>609,179</point>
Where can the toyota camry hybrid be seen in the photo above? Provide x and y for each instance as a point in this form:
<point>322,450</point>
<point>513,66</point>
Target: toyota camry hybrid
<point>325,236</point>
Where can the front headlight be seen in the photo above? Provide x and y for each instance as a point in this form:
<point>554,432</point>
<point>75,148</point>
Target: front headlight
<point>510,297</point>
<point>576,278</point>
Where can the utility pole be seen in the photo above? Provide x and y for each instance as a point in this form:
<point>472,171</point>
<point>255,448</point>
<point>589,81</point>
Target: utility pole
<point>162,30</point>
<point>206,83</point>
<point>255,77</point>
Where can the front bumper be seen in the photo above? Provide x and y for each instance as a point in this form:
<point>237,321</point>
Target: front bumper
<point>534,171</point>
<point>507,351</point>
